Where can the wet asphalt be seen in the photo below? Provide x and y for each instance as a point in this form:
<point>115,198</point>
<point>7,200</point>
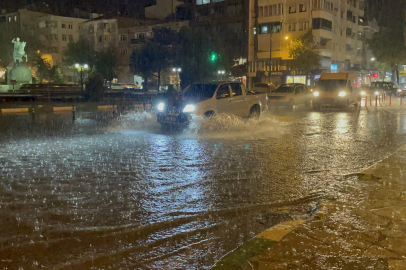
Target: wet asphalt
<point>108,192</point>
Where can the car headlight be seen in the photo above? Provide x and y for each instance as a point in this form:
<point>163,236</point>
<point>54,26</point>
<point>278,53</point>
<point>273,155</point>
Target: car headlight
<point>342,94</point>
<point>316,94</point>
<point>399,90</point>
<point>376,93</point>
<point>189,108</point>
<point>161,106</point>
<point>363,93</point>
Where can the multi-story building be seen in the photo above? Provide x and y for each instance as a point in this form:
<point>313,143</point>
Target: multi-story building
<point>336,26</point>
<point>125,34</point>
<point>54,32</point>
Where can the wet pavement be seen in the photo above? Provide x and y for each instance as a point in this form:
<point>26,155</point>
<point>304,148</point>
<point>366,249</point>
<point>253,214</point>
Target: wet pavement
<point>366,230</point>
<point>111,193</point>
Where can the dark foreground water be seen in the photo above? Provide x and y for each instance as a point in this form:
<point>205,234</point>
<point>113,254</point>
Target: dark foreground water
<point>120,193</point>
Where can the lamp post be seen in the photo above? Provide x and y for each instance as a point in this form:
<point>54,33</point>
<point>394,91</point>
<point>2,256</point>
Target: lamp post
<point>81,66</point>
<point>177,70</point>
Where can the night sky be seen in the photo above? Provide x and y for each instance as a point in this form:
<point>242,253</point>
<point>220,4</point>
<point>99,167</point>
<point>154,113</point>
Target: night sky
<point>64,7</point>
<point>385,11</point>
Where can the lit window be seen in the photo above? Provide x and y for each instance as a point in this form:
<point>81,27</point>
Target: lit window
<point>264,29</point>
<point>9,19</point>
<point>15,18</point>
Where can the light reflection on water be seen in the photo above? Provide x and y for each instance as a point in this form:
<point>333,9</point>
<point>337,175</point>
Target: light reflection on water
<point>106,192</point>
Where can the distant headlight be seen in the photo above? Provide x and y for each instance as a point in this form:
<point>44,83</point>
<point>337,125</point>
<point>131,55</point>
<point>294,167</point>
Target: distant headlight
<point>342,94</point>
<point>189,108</point>
<point>161,107</point>
<point>376,93</point>
<point>316,94</point>
<point>311,90</point>
<point>363,93</point>
<point>399,90</point>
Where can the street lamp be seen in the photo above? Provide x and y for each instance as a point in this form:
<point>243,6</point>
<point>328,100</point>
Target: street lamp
<point>81,66</point>
<point>221,73</point>
<point>372,59</point>
<point>177,70</point>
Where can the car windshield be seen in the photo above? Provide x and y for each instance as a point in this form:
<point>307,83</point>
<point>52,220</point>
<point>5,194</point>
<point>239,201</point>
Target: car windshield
<point>331,85</point>
<point>200,91</point>
<point>284,89</point>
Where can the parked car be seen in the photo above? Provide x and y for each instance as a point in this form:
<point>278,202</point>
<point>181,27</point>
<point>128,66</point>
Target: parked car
<point>289,95</point>
<point>389,88</point>
<point>263,88</point>
<point>207,99</point>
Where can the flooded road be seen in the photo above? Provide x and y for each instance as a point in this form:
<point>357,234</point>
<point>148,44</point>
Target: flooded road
<point>120,193</point>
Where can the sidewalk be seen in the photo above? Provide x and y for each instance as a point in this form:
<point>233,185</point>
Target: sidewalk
<point>364,230</point>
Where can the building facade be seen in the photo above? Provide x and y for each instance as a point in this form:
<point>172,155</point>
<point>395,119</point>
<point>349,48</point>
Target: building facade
<point>337,27</point>
<point>54,32</point>
<point>126,35</point>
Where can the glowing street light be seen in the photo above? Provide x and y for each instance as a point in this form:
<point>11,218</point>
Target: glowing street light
<point>81,66</point>
<point>286,37</point>
<point>373,59</point>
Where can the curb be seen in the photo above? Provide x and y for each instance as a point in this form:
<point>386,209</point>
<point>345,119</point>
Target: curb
<point>239,257</point>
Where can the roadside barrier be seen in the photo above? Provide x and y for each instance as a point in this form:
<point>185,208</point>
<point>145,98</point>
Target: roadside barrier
<point>106,107</point>
<point>15,110</point>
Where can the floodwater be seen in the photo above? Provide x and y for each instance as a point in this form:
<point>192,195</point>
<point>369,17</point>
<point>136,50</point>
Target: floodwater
<point>108,192</point>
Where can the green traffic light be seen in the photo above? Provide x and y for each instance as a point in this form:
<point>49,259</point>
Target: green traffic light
<point>213,57</point>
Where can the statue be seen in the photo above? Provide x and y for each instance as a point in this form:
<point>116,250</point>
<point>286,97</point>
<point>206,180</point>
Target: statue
<point>19,52</point>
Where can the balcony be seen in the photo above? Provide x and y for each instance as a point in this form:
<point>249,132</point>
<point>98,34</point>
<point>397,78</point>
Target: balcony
<point>326,33</point>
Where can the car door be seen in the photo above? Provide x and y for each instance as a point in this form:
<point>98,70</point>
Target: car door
<point>304,92</point>
<point>223,99</point>
<point>298,96</point>
<point>239,101</point>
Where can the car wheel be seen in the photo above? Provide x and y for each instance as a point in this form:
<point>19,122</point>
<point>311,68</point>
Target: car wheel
<point>255,112</point>
<point>290,105</point>
<point>316,106</point>
<point>209,114</point>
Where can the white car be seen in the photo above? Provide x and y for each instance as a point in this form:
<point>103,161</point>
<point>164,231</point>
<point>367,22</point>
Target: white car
<point>289,95</point>
<point>208,99</point>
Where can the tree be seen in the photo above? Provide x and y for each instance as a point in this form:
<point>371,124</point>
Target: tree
<point>43,68</point>
<point>107,63</point>
<point>58,76</point>
<point>388,47</point>
<point>80,52</point>
<point>300,49</point>
<point>194,54</point>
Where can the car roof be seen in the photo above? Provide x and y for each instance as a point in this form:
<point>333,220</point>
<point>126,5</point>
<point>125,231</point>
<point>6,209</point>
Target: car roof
<point>292,84</point>
<point>215,83</point>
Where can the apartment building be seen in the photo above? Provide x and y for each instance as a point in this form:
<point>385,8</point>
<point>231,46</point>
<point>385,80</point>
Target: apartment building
<point>125,35</point>
<point>337,27</point>
<point>54,32</point>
